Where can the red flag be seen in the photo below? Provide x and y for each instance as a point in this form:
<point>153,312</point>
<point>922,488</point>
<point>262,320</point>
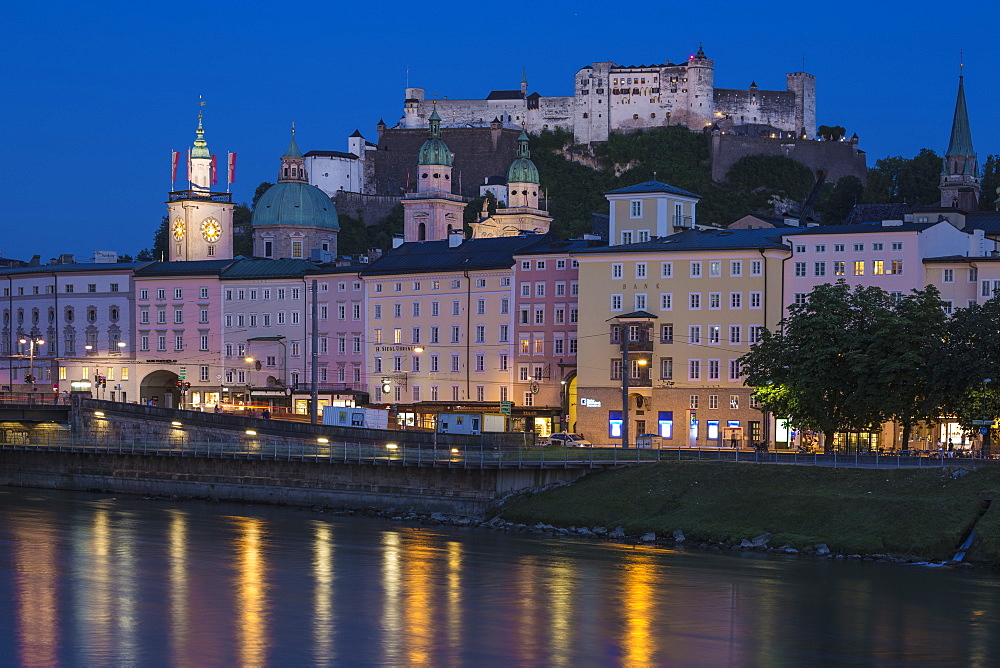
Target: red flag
<point>175,157</point>
<point>232,168</point>
<point>215,173</point>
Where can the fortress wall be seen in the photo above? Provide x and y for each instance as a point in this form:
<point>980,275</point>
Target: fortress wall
<point>838,159</point>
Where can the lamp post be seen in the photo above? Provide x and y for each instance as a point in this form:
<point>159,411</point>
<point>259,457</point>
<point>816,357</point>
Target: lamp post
<point>985,447</point>
<point>32,342</point>
<point>639,319</point>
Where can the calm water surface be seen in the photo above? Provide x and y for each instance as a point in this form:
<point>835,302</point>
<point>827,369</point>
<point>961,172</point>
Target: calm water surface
<point>101,581</point>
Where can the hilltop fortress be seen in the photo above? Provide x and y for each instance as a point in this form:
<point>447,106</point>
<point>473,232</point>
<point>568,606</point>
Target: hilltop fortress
<point>612,98</point>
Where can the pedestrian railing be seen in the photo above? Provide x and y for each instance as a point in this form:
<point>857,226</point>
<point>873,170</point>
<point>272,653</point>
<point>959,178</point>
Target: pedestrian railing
<point>321,450</point>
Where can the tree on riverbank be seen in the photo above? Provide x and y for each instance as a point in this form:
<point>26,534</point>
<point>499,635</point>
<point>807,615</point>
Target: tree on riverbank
<point>846,359</point>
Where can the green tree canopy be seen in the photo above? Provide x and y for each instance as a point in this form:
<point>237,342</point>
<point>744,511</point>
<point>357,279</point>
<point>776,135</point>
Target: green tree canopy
<point>816,369</point>
<point>831,132</point>
<point>771,175</point>
<point>911,180</point>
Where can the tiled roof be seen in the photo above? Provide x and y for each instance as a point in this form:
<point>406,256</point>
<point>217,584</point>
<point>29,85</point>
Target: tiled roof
<point>703,240</point>
<point>73,268</point>
<point>258,268</point>
<point>330,154</point>
<point>505,95</point>
<point>988,221</point>
<point>193,268</point>
<point>430,256</point>
<point>871,213</point>
<point>864,228</point>
<point>652,187</point>
<point>556,247</point>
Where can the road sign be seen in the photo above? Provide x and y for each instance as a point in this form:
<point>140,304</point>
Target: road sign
<point>985,423</point>
<point>505,407</point>
<point>983,430</point>
<point>183,374</point>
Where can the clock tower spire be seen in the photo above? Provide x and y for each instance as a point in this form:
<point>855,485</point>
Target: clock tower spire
<point>200,221</point>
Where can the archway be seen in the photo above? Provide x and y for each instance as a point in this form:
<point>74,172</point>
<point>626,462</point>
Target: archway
<point>161,388</point>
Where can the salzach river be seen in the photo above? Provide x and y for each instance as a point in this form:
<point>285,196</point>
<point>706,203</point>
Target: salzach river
<point>100,581</point>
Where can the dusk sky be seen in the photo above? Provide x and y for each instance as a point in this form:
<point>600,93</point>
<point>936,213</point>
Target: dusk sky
<point>97,95</point>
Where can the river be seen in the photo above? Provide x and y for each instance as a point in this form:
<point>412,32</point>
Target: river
<point>94,580</point>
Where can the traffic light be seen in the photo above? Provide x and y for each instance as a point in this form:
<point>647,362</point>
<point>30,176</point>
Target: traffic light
<point>104,381</point>
<point>187,386</point>
<point>178,384</point>
<point>27,378</point>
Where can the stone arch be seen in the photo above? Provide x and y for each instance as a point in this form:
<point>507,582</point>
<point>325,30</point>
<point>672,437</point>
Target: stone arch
<point>161,386</point>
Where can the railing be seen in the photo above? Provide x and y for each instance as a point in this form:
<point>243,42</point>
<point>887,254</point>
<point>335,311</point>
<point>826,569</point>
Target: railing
<point>264,447</point>
<point>200,194</point>
<point>682,221</point>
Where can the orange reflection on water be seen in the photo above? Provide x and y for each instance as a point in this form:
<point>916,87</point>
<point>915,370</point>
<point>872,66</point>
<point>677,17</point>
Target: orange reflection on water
<point>420,563</point>
<point>251,592</point>
<point>178,587</point>
<point>639,585</point>
<point>35,591</point>
<point>323,592</point>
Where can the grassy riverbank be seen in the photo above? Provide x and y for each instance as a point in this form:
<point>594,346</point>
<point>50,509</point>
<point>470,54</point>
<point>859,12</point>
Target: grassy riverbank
<point>909,512</point>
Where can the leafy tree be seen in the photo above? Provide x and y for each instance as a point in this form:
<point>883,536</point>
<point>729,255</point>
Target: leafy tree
<point>261,189</point>
<point>990,199</point>
<point>145,255</point>
<point>837,201</point>
<point>125,257</point>
<point>969,354</point>
<point>815,369</point>
<point>160,239</point>
<point>831,132</point>
<point>242,230</point>
<point>902,358</point>
<point>766,175</point>
<point>911,180</point>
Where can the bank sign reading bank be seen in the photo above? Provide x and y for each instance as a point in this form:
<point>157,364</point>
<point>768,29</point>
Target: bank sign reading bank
<point>590,403</point>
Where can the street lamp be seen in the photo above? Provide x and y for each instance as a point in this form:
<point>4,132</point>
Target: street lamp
<point>32,343</point>
<point>985,447</point>
<point>639,320</point>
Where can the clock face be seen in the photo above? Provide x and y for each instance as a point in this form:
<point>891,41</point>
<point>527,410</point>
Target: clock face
<point>211,230</point>
<point>178,229</point>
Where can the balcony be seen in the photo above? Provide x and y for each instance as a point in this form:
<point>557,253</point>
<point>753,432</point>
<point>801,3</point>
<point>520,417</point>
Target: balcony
<point>682,221</point>
<point>641,346</point>
<point>179,195</point>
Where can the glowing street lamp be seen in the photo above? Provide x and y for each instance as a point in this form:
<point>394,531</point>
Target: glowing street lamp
<point>32,342</point>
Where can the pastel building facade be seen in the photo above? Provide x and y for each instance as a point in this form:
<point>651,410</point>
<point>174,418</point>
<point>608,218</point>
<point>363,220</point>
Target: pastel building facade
<point>179,333</point>
<point>695,302</point>
<point>649,210</point>
<point>889,256</point>
<point>441,329</point>
<point>77,320</point>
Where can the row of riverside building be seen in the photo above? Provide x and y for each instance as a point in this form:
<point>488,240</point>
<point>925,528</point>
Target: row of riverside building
<point>509,318</point>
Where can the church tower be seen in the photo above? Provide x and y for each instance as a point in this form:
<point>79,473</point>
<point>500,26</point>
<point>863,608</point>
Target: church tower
<point>960,187</point>
<point>522,213</point>
<point>200,222</point>
<point>432,212</point>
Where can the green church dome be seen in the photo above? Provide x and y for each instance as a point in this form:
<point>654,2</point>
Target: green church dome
<point>434,151</point>
<point>291,203</point>
<point>522,170</point>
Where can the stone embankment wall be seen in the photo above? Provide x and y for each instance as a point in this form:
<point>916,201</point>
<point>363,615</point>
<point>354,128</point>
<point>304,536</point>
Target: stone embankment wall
<point>836,158</point>
<point>336,485</point>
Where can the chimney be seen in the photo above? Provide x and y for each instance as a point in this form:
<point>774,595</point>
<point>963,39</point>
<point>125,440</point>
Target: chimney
<point>455,238</point>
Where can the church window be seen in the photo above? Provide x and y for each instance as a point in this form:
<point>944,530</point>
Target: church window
<point>211,250</point>
<point>446,177</point>
<point>297,249</point>
<point>268,248</point>
<point>437,176</point>
<point>421,232</point>
<point>424,175</point>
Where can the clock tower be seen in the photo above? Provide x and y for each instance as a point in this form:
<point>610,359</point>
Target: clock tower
<point>200,221</point>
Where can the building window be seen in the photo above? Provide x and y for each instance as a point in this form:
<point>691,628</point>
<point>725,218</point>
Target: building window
<point>859,267</point>
<point>819,268</point>
<point>694,301</point>
<point>640,270</point>
<point>616,270</point>
<point>757,268</point>
<point>948,276</point>
<point>695,269</point>
<point>694,369</point>
<point>838,268</point>
<point>800,269</point>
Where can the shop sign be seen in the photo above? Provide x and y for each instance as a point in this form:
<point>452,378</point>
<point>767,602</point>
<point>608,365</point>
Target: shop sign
<point>590,403</point>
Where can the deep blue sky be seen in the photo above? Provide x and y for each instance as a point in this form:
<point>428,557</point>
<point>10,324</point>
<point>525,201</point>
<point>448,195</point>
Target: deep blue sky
<point>96,95</point>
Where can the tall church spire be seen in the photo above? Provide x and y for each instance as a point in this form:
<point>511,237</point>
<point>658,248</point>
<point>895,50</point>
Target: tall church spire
<point>960,187</point>
<point>200,163</point>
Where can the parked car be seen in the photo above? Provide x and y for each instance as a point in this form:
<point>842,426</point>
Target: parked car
<point>569,440</point>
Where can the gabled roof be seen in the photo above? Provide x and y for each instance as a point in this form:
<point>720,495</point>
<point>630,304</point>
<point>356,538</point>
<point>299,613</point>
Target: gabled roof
<point>331,154</point>
<point>471,254</point>
<point>636,315</point>
<point>987,221</point>
<point>263,268</point>
<point>190,268</point>
<point>652,187</point>
<point>73,268</point>
<point>505,95</point>
<point>691,240</point>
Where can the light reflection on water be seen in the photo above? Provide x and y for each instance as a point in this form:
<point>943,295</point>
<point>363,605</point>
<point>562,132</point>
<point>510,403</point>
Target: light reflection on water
<point>100,581</point>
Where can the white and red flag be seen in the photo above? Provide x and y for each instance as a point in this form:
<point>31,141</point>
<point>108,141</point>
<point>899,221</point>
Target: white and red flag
<point>232,168</point>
